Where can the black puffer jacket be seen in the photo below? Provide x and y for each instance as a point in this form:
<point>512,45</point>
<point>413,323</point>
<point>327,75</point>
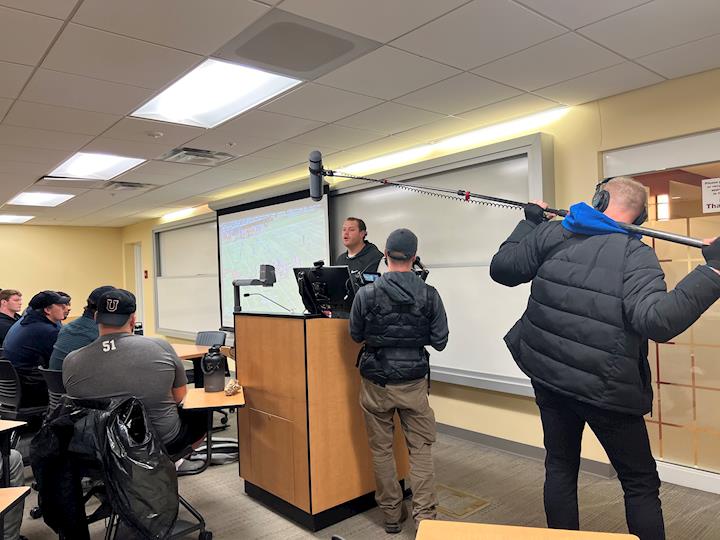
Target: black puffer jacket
<point>594,303</point>
<point>396,317</point>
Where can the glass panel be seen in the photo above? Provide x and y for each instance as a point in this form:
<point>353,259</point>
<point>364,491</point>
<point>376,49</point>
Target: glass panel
<point>708,451</point>
<point>707,366</point>
<point>669,250</point>
<point>708,409</point>
<point>677,445</point>
<point>676,404</point>
<point>653,429</point>
<point>675,364</point>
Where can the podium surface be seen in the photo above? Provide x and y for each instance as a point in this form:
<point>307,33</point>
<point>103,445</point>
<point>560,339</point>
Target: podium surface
<point>303,444</point>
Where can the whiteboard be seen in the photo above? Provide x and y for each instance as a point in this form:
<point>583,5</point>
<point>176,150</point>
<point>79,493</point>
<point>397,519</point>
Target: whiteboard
<point>188,304</point>
<point>457,240</point>
<point>187,298</point>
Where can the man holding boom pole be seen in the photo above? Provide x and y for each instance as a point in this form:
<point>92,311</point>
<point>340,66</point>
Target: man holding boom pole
<point>598,294</point>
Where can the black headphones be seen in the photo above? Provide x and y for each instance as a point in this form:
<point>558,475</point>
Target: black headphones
<point>601,200</point>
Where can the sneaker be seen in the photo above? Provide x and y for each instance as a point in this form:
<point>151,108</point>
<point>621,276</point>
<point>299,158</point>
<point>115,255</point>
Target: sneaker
<point>393,527</point>
<point>189,465</point>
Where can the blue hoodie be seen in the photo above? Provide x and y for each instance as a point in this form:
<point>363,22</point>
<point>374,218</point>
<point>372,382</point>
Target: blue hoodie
<point>29,342</point>
<point>584,219</point>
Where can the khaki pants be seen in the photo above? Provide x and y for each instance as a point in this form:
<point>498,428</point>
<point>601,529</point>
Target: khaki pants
<point>417,419</point>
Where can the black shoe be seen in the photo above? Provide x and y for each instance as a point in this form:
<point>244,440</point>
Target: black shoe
<point>393,527</point>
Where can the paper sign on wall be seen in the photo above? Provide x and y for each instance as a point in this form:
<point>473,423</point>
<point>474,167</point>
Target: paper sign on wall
<point>711,195</point>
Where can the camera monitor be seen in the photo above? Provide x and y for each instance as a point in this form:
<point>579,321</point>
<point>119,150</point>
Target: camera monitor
<point>326,288</point>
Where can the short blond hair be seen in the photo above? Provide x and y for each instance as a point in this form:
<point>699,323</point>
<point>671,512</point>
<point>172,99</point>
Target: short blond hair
<point>628,193</point>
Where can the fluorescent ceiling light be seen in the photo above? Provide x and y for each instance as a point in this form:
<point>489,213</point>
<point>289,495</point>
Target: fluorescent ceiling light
<point>214,92</point>
<point>500,131</point>
<point>36,198</point>
<point>87,166</point>
<point>471,139</point>
<point>390,161</point>
<point>7,218</point>
<point>177,214</point>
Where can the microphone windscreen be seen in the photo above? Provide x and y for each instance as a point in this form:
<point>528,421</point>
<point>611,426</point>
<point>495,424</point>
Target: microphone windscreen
<point>316,181</point>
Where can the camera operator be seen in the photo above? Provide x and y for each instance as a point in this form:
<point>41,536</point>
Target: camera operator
<point>396,316</point>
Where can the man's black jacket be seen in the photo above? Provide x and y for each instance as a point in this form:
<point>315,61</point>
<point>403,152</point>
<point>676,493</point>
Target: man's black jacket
<point>594,303</point>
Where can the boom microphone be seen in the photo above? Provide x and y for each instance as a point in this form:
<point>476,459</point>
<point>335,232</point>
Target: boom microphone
<point>316,170</point>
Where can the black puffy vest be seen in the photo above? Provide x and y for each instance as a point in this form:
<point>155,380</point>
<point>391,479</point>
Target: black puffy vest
<point>395,339</point>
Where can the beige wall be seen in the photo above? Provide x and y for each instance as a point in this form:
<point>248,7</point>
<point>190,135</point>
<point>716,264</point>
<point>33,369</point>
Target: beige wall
<point>670,109</point>
<point>71,259</point>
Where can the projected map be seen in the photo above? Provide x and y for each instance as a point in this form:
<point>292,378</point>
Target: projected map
<point>286,235</point>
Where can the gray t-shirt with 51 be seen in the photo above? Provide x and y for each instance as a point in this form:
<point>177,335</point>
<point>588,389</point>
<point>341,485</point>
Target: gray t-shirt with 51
<point>126,364</point>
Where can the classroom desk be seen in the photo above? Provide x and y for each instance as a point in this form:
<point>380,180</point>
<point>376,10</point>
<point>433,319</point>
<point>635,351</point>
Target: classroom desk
<point>198,398</point>
<point>6,429</point>
<point>187,351</point>
<point>455,530</point>
<point>9,497</point>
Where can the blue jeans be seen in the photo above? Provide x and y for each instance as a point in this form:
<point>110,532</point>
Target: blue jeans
<point>625,440</point>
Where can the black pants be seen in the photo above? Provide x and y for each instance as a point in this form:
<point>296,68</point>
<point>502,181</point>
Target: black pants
<point>625,440</point>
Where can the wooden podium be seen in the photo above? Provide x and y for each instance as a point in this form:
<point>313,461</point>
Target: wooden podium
<point>303,444</point>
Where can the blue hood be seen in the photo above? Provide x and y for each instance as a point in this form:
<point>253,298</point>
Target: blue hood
<point>584,219</point>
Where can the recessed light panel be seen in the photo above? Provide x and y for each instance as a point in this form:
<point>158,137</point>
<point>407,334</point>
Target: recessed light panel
<point>214,92</point>
<point>88,166</point>
<point>36,198</point>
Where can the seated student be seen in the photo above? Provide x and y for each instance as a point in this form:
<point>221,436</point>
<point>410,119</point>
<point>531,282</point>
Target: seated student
<point>13,518</point>
<point>80,332</point>
<point>121,363</point>
<point>10,308</point>
<point>66,306</point>
<point>29,344</point>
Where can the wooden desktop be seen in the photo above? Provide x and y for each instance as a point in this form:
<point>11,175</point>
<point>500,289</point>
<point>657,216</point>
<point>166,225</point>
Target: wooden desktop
<point>303,444</point>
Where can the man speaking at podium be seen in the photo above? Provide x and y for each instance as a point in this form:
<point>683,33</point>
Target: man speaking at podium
<point>396,316</point>
<point>361,255</point>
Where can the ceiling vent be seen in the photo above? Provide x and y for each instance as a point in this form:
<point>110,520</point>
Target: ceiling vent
<point>127,186</point>
<point>288,44</point>
<point>196,156</point>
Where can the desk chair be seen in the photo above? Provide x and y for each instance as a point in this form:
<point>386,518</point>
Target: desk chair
<point>11,396</point>
<point>56,388</point>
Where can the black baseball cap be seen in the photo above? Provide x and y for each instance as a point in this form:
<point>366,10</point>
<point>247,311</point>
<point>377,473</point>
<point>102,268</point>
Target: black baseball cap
<point>45,299</point>
<point>115,307</point>
<point>92,300</point>
<point>401,244</point>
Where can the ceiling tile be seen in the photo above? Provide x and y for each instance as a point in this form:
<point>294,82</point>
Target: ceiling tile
<point>136,129</point>
<point>118,147</point>
<point>35,170</point>
<point>251,166</point>
<point>478,33</point>
<point>267,125</point>
<point>434,131</point>
<point>24,37</point>
<point>655,26</point>
<point>12,78</point>
<point>5,104</point>
<point>387,73</point>
<point>11,184</point>
<point>458,94</point>
<point>92,201</point>
<point>64,89</point>
<point>40,116</point>
<point>321,103</point>
<point>574,14</point>
<point>375,19</point>
<point>686,59</point>
<point>109,57</point>
<point>556,60</point>
<point>505,110</point>
<point>289,153</point>
<point>160,173</point>
<point>28,154</point>
<point>231,143</point>
<point>40,138</point>
<point>390,118</point>
<point>603,83</point>
<point>58,9</point>
<point>200,27</point>
<point>339,137</point>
